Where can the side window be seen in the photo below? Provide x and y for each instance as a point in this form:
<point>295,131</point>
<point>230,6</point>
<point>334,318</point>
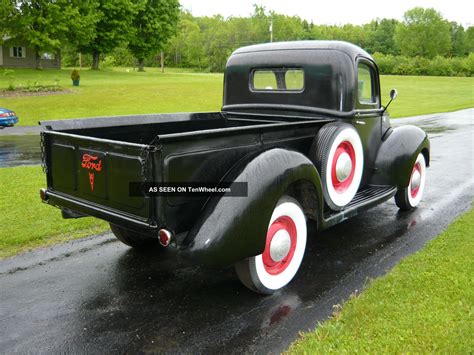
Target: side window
<point>365,84</point>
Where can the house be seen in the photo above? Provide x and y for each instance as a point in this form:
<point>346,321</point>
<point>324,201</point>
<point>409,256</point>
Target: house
<point>17,55</point>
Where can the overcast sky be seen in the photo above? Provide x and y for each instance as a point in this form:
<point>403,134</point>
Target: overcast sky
<point>334,11</point>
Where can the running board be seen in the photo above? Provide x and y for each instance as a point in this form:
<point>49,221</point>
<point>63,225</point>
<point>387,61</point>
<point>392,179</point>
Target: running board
<point>363,200</point>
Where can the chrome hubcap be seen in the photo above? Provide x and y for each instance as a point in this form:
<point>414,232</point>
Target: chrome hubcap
<point>343,167</point>
<point>280,245</point>
<point>415,180</point>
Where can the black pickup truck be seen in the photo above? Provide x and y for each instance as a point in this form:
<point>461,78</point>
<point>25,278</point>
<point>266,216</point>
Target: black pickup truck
<point>302,135</point>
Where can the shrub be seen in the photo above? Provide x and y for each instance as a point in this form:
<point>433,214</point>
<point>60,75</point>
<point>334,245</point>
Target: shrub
<point>123,57</point>
<point>470,63</point>
<point>386,63</point>
<point>461,67</point>
<point>421,66</point>
<point>108,62</point>
<point>75,75</point>
<point>438,66</point>
<point>10,76</point>
<point>402,66</point>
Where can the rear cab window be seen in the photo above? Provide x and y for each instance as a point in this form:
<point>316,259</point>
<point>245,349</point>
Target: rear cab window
<point>277,80</point>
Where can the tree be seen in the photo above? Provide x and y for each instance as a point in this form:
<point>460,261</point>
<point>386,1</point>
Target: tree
<point>380,37</point>
<point>154,24</point>
<point>6,12</point>
<point>287,28</point>
<point>42,24</point>
<point>470,39</point>
<point>82,27</point>
<point>458,39</point>
<point>423,32</point>
<point>114,26</point>
<point>215,32</point>
<point>260,25</point>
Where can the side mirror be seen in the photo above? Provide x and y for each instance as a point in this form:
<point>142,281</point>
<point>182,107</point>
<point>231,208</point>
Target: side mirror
<point>393,96</point>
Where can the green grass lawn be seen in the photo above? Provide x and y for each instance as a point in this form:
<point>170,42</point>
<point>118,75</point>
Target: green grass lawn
<point>27,222</point>
<point>424,305</point>
<point>118,92</point>
<point>419,95</point>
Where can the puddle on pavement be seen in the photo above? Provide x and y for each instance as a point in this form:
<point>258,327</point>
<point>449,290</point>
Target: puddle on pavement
<point>430,126</point>
<point>19,150</point>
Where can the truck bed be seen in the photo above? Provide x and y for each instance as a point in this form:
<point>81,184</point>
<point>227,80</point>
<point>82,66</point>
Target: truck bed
<point>144,129</point>
<point>91,162</point>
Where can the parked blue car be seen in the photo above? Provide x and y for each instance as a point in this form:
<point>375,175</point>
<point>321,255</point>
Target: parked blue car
<point>7,118</point>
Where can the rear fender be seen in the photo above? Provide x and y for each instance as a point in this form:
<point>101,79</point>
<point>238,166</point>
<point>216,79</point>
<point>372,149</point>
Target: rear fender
<point>234,228</point>
<point>397,155</point>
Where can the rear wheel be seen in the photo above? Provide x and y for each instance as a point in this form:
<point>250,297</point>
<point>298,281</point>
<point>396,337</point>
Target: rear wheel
<point>409,197</point>
<point>132,239</point>
<point>284,250</point>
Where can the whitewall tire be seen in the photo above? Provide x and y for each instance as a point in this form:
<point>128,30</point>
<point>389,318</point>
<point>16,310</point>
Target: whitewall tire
<point>410,196</point>
<point>284,250</point>
<point>339,157</point>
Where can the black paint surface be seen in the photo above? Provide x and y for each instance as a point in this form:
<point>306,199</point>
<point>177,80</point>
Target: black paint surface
<point>98,296</point>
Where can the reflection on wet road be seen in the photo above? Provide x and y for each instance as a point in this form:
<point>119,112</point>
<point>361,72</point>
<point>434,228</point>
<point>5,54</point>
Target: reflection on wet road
<point>96,295</point>
<point>19,150</point>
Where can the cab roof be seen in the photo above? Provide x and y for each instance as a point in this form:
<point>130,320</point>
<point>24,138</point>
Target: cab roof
<point>350,49</point>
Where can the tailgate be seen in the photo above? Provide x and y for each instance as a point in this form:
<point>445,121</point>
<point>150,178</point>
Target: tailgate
<point>92,176</point>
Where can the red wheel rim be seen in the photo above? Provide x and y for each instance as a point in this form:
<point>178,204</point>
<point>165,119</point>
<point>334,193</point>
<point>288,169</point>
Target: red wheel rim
<point>414,191</point>
<point>342,186</point>
<point>286,224</point>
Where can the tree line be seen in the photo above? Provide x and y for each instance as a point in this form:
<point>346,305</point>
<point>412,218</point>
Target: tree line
<point>94,27</point>
<point>136,32</point>
<point>206,42</point>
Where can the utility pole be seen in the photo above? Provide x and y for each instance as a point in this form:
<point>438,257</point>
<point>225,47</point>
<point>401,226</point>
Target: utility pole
<point>271,30</point>
<point>162,61</point>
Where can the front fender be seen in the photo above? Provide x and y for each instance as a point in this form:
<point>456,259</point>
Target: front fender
<point>234,228</point>
<point>397,155</point>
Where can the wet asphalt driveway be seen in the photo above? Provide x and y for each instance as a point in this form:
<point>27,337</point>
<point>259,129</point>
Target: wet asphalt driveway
<point>98,296</point>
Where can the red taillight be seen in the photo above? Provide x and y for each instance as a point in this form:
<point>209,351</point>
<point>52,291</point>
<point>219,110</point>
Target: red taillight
<point>5,114</point>
<point>164,237</point>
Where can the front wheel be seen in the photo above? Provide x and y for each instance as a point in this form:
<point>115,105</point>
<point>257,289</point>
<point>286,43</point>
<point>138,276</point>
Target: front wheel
<point>284,250</point>
<point>410,196</point>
